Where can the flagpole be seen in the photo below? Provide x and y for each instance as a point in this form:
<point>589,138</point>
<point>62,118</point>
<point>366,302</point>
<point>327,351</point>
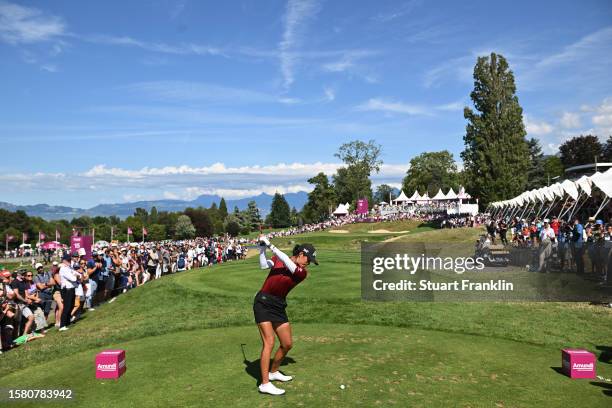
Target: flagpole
<point>112,233</point>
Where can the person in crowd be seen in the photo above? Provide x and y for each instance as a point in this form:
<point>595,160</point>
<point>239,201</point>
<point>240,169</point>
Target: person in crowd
<point>44,284</point>
<point>69,281</point>
<point>36,305</point>
<point>577,246</point>
<point>8,312</point>
<point>19,286</point>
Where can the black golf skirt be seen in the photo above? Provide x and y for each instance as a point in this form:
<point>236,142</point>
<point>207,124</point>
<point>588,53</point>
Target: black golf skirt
<point>269,308</point>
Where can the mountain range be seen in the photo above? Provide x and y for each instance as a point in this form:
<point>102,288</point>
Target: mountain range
<point>123,210</point>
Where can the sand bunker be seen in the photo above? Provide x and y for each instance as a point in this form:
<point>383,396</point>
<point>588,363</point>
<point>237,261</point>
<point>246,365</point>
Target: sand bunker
<point>338,232</point>
<point>384,231</point>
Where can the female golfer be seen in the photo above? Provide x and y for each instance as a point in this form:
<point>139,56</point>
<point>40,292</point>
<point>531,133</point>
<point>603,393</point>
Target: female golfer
<point>269,307</point>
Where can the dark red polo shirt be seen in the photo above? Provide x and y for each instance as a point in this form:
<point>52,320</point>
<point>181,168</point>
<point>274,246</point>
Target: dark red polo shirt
<point>280,280</point>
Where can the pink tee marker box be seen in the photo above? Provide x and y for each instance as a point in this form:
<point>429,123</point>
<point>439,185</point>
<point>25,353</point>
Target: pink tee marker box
<point>578,363</point>
<point>110,364</point>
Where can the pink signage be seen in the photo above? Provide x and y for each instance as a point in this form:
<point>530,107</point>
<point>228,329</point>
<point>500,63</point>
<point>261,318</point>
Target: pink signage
<point>85,242</point>
<point>362,206</point>
<point>110,364</point>
<point>578,363</point>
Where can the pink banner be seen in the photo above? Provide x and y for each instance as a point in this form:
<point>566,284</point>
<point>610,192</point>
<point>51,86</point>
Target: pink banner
<point>85,242</point>
<point>362,206</point>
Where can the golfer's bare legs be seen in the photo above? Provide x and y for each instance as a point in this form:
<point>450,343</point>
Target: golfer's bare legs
<point>267,340</point>
<point>283,331</point>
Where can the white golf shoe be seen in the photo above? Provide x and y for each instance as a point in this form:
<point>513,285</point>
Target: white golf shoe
<point>269,388</point>
<point>278,376</point>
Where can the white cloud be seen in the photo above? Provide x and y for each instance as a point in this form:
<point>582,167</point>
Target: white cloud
<point>199,91</point>
<point>603,113</point>
<point>296,15</point>
<point>22,25</point>
<point>570,120</point>
<point>338,66</point>
<point>537,128</point>
<point>389,106</point>
<point>401,11</point>
<point>188,182</point>
<point>452,107</point>
<point>591,44</point>
<point>169,195</point>
<point>49,67</point>
<point>180,49</point>
<point>330,94</point>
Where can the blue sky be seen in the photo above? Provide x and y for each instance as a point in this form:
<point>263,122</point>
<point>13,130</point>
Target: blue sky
<point>118,101</point>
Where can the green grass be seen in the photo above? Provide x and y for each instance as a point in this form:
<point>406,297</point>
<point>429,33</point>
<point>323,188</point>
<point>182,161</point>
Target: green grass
<point>183,335</point>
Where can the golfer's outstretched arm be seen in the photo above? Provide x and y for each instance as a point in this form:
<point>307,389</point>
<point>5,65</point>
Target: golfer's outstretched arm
<point>264,262</point>
<point>279,254</point>
<point>284,258</point>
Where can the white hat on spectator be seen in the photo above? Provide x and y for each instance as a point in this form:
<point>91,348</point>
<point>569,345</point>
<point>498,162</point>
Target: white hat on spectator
<point>54,263</point>
<point>38,265</point>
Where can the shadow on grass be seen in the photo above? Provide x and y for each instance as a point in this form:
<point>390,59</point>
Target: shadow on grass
<point>252,367</point>
<point>606,354</point>
<point>607,387</point>
<point>559,370</point>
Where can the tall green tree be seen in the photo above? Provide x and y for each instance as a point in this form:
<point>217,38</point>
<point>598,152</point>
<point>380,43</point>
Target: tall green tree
<point>253,216</point>
<point>153,215</point>
<point>431,171</point>
<point>536,175</point>
<point>222,209</point>
<point>496,153</point>
<point>361,159</point>
<point>321,200</point>
<point>280,214</point>
<point>580,150</point>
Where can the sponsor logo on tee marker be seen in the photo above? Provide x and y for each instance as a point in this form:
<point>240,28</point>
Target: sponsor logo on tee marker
<point>582,367</point>
<point>111,367</point>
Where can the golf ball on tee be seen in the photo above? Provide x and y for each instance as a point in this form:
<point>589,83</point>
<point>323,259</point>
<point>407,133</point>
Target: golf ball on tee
<point>342,387</point>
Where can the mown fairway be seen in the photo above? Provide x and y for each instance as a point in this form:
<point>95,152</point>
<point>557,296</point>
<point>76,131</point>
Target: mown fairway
<point>183,337</point>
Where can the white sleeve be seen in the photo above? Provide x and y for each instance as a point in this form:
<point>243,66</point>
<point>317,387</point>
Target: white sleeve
<point>264,263</point>
<point>284,258</point>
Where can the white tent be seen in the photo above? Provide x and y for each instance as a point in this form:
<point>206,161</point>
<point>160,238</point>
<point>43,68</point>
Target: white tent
<point>341,210</point>
<point>415,196</point>
<point>439,196</point>
<point>570,188</point>
<point>584,183</point>
<point>451,195</point>
<point>603,181</point>
<point>424,197</point>
<point>402,198</point>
